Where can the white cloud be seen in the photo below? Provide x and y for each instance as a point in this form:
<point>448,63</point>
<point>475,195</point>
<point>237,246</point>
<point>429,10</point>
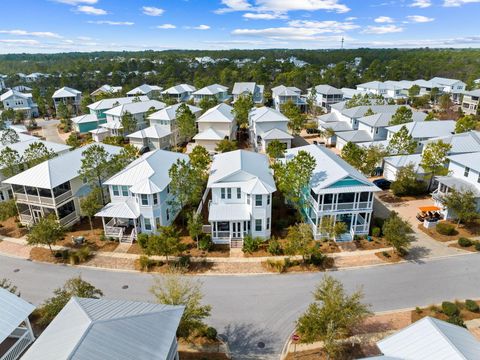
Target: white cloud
<point>84,38</point>
<point>384,19</point>
<point>19,41</point>
<point>90,10</point>
<point>455,3</point>
<point>152,11</point>
<point>282,6</point>
<point>328,26</point>
<point>233,5</point>
<point>385,29</point>
<point>419,19</point>
<point>113,23</point>
<point>166,26</point>
<point>421,3</point>
<point>200,27</point>
<point>76,2</point>
<point>351,18</point>
<point>288,33</point>
<point>46,34</point>
<point>264,16</point>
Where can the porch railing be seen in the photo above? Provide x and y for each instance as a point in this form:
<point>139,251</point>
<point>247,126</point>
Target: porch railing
<point>26,218</point>
<point>19,347</point>
<point>68,219</point>
<point>62,197</point>
<point>45,200</point>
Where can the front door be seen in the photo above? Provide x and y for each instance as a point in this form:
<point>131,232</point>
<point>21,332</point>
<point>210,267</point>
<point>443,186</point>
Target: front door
<point>37,214</point>
<point>237,229</point>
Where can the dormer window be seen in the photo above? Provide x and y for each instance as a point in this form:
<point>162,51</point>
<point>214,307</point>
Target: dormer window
<point>115,190</point>
<point>466,172</point>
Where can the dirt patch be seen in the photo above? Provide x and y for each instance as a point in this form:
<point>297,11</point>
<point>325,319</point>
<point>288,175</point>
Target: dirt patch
<point>349,353</point>
<point>375,243</point>
<point>11,228</point>
<point>163,267</point>
<point>190,355</point>
<point>383,322</point>
<point>389,256</point>
<point>436,312</point>
<point>93,238</point>
<point>45,255</point>
<point>292,266</point>
<point>326,247</point>
<point>390,198</point>
<point>467,248</point>
<point>464,230</point>
<point>191,249</point>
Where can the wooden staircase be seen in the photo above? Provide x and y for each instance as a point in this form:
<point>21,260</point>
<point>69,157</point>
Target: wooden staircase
<point>236,243</point>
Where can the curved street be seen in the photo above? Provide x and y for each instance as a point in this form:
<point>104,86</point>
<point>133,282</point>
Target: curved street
<point>257,313</point>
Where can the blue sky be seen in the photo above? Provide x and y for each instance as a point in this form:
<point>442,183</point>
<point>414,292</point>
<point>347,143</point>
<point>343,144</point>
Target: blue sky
<point>91,25</point>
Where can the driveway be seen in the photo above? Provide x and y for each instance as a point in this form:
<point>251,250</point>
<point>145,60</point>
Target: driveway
<point>50,132</point>
<point>424,245</point>
<point>256,314</point>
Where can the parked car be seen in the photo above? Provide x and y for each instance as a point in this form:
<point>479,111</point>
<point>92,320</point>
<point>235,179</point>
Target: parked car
<point>383,184</point>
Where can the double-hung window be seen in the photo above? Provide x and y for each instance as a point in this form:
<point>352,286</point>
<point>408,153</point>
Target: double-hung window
<point>144,199</point>
<point>229,193</point>
<point>466,172</point>
<point>258,200</point>
<point>115,190</point>
<point>268,223</point>
<point>155,199</point>
<point>148,224</point>
<point>222,190</point>
<point>258,224</point>
<point>239,193</point>
<point>124,190</point>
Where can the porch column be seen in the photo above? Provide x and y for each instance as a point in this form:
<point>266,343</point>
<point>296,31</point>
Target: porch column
<point>29,328</point>
<point>103,222</point>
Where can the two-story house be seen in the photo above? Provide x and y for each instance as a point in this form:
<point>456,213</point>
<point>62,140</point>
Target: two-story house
<point>267,124</point>
<point>471,102</point>
<point>214,125</point>
<point>180,93</point>
<point>138,110</point>
<point>453,87</point>
<point>99,107</point>
<point>386,89</point>
<point>337,193</point>
<point>53,187</point>
<point>215,91</point>
<point>464,175</point>
<point>106,90</point>
<point>248,88</point>
<point>326,95</point>
<point>67,96</point>
<point>151,91</point>
<point>166,119</point>
<point>283,94</point>
<point>151,138</point>
<point>242,185</point>
<point>140,196</point>
<point>19,101</point>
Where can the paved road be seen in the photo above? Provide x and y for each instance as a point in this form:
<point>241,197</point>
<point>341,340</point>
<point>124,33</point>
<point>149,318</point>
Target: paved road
<point>50,130</point>
<point>253,309</point>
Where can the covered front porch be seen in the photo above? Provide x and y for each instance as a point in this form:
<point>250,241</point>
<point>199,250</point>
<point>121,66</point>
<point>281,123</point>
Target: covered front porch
<point>120,221</point>
<point>356,224</point>
<point>229,223</point>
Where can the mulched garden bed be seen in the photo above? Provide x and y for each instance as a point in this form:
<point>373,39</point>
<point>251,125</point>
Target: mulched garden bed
<point>390,198</point>
<point>375,243</point>
<point>467,248</point>
<point>464,230</point>
<point>93,237</point>
<point>10,228</point>
<point>436,312</point>
<point>389,256</point>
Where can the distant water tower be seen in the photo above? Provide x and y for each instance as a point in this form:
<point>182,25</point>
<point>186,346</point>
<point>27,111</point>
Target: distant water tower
<point>343,40</point>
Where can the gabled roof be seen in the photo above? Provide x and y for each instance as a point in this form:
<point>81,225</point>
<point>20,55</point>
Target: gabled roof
<point>144,89</point>
<point>383,119</point>
<point>21,146</point>
<point>170,112</point>
<point>110,103</point>
<point>473,93</point>
<point>467,142</point>
<point>101,329</point>
<point>65,92</point>
<point>135,107</point>
<point>127,209</point>
<point>426,129</point>
<point>151,132</point>
<point>209,134</point>
<point>329,117</point>
<point>359,111</point>
<point>431,339</point>
<point>148,172</point>
<point>327,90</point>
<point>247,169</point>
<point>337,126</point>
<point>211,90</point>
<point>12,92</point>
<point>330,170</point>
<point>283,90</point>
<point>266,114</point>
<point>82,119</point>
<point>107,89</point>
<point>13,311</point>
<point>221,113</point>
<point>179,89</point>
<point>470,160</point>
<point>400,161</point>
<point>276,134</point>
<point>355,136</point>
<point>444,81</point>
<point>242,87</point>
<point>58,170</point>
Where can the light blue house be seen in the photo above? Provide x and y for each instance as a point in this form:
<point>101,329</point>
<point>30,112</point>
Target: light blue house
<point>98,108</point>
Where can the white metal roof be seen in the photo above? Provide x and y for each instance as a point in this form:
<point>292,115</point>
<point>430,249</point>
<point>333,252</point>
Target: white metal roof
<point>209,134</point>
<point>228,212</point>
<point>125,210</point>
<point>475,93</point>
<point>431,339</point>
<point>400,161</point>
<point>144,89</point>
<point>266,114</point>
<point>211,90</point>
<point>21,146</point>
<point>242,87</point>
<point>152,167</point>
<point>58,170</point>
<point>151,132</point>
<point>355,136</point>
<point>65,92</point>
<point>359,111</point>
<point>337,126</point>
<point>250,170</point>
<point>276,134</point>
<point>221,113</point>
<point>327,90</point>
<point>458,184</point>
<point>471,160</point>
<point>329,117</point>
<point>113,102</point>
<point>170,112</point>
<point>383,119</point>
<point>426,129</point>
<point>13,311</point>
<point>283,90</point>
<point>330,169</point>
<point>179,89</point>
<point>107,89</point>
<point>12,92</point>
<point>101,329</point>
<point>467,142</point>
<point>83,119</point>
<point>137,107</point>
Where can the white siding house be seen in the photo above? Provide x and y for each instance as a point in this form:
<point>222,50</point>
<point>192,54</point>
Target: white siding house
<point>214,125</point>
<point>283,94</point>
<point>471,102</point>
<point>266,125</point>
<point>151,91</point>
<point>215,91</point>
<point>248,88</point>
<point>337,192</point>
<point>140,197</point>
<point>106,90</point>
<point>19,101</point>
<point>67,96</point>
<point>180,93</point>
<point>326,95</point>
<point>242,185</point>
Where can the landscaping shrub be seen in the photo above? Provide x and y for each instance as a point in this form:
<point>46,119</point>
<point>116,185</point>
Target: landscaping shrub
<point>464,242</point>
<point>277,265</point>
<point>450,309</point>
<point>445,229</point>
<point>142,240</point>
<point>103,237</point>
<point>456,320</point>
<point>211,333</point>
<point>317,258</point>
<point>74,258</point>
<point>205,243</point>
<point>477,245</point>
<point>184,261</point>
<point>274,247</point>
<point>471,306</point>
<point>376,231</point>
<point>145,263</point>
<point>250,244</point>
<point>83,254</point>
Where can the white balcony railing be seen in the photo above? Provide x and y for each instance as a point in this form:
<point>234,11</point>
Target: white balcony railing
<point>19,347</point>
<point>68,219</point>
